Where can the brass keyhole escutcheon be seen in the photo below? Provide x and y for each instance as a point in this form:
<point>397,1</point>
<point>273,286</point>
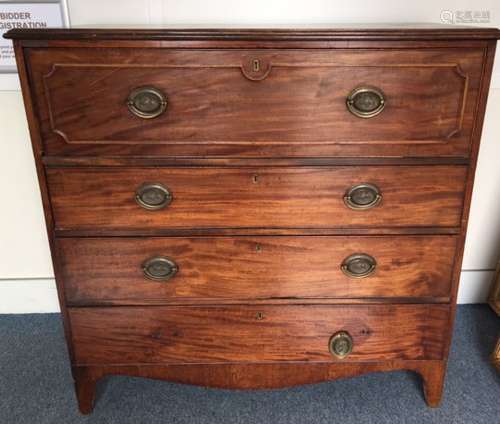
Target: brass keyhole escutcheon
<point>256,68</point>
<point>256,65</point>
<point>259,316</point>
<point>255,179</point>
<point>341,344</point>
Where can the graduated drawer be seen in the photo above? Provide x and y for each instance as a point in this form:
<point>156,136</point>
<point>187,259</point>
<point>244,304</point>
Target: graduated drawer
<point>169,270</point>
<point>182,334</point>
<point>308,197</point>
<point>256,102</point>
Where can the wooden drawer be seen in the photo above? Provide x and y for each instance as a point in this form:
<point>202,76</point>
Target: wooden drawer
<point>149,335</point>
<point>308,197</point>
<point>110,271</point>
<point>256,102</point>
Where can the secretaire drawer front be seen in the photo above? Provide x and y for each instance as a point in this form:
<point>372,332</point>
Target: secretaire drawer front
<point>134,335</point>
<point>254,102</point>
<point>160,270</point>
<point>308,197</point>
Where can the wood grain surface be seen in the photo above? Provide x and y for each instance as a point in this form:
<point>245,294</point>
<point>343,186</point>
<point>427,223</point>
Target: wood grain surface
<point>259,375</point>
<point>295,104</point>
<point>160,334</point>
<point>96,271</point>
<point>306,197</point>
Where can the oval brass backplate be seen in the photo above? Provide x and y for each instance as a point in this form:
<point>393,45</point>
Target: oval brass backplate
<point>341,345</point>
<point>159,268</point>
<point>153,196</point>
<point>365,102</point>
<point>147,102</point>
<point>362,196</point>
<point>359,265</point>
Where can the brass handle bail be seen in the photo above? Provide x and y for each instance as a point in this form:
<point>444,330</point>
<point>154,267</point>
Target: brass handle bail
<point>365,102</point>
<point>159,268</point>
<point>359,265</point>
<point>153,196</point>
<point>362,197</point>
<point>147,102</point>
<point>341,344</point>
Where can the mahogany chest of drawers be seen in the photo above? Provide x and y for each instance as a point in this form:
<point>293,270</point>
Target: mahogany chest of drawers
<point>256,208</point>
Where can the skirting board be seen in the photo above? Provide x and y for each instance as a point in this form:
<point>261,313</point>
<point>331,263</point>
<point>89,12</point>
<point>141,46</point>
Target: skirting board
<point>475,286</point>
<point>9,82</point>
<point>28,296</point>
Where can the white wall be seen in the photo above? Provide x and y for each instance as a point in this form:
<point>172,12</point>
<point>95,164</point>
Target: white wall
<point>26,277</point>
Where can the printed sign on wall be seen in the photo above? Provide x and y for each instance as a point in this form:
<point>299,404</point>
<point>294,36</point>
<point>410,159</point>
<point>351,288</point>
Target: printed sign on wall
<point>27,14</point>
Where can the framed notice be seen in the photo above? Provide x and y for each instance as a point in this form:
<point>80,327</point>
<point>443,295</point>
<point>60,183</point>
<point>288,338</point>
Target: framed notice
<point>28,14</point>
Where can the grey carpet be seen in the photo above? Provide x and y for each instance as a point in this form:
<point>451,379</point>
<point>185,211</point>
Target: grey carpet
<point>36,387</point>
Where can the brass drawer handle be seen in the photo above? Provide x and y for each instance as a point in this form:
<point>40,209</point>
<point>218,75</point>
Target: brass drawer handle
<point>359,265</point>
<point>362,196</point>
<point>159,268</point>
<point>341,344</point>
<point>147,102</point>
<point>153,196</point>
<point>365,102</point>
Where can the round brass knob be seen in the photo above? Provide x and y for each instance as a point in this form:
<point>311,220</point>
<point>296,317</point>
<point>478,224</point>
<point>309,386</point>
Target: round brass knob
<point>159,268</point>
<point>147,102</point>
<point>153,196</point>
<point>359,265</point>
<point>341,344</point>
<point>362,196</point>
<point>365,102</point>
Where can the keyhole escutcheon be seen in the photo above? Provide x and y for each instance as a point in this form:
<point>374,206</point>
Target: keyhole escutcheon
<point>256,65</point>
